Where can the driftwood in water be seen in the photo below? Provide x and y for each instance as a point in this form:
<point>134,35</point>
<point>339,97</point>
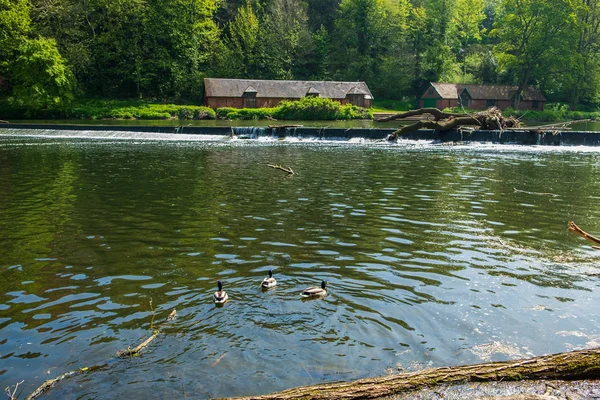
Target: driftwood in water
<point>284,169</point>
<point>129,352</point>
<point>490,119</point>
<point>578,231</point>
<point>550,127</point>
<point>438,126</point>
<point>579,364</point>
<point>437,115</point>
<point>50,383</point>
<point>3,122</point>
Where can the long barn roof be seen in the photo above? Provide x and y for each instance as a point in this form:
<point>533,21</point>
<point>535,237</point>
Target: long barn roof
<point>491,92</point>
<point>216,87</point>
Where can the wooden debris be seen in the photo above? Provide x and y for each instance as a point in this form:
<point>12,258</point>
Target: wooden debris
<point>580,364</point>
<point>550,127</point>
<point>49,384</point>
<point>129,352</point>
<point>13,395</point>
<point>536,193</point>
<point>434,112</point>
<point>219,359</point>
<point>578,231</point>
<point>490,119</point>
<point>284,169</point>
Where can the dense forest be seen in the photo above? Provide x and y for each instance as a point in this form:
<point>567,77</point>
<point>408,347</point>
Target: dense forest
<point>52,51</point>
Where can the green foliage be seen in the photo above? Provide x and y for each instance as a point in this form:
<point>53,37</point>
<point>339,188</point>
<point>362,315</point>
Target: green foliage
<point>308,108</point>
<point>41,75</point>
<point>244,113</point>
<point>14,29</point>
<point>394,105</point>
<point>161,51</point>
<point>318,108</point>
<point>112,109</point>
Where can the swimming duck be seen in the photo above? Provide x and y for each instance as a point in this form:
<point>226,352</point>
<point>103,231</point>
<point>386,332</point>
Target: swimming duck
<point>315,291</point>
<point>269,282</point>
<point>220,295</point>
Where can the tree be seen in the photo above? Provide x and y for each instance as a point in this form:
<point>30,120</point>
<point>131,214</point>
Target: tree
<point>532,36</point>
<point>41,75</point>
<point>285,40</point>
<point>242,43</point>
<point>585,70</point>
<point>14,29</point>
<point>371,44</point>
<point>466,27</point>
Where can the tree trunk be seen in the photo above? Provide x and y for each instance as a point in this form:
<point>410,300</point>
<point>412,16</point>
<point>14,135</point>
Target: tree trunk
<point>437,114</point>
<point>438,126</point>
<point>579,364</point>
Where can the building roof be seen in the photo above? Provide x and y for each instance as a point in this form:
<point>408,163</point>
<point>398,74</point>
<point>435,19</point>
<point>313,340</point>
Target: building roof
<point>216,87</point>
<point>491,92</point>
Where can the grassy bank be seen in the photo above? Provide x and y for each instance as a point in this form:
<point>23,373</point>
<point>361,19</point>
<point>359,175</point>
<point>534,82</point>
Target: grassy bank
<point>552,113</point>
<point>304,109</point>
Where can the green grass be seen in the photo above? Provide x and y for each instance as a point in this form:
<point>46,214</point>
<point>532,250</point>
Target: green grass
<point>109,109</point>
<point>393,105</point>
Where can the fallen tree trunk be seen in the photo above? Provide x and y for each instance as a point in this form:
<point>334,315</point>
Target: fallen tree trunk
<point>580,364</point>
<point>438,126</point>
<point>437,114</point>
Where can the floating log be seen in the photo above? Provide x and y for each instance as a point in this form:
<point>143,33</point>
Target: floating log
<point>284,169</point>
<point>578,231</point>
<point>580,364</point>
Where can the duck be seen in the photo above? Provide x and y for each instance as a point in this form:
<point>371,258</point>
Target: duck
<point>269,282</point>
<point>220,295</point>
<point>315,291</point>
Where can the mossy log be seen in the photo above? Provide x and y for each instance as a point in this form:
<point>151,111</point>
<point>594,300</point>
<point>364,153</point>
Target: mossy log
<point>580,364</point>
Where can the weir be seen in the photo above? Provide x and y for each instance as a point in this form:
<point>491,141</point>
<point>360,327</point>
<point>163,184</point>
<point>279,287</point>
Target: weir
<point>525,137</point>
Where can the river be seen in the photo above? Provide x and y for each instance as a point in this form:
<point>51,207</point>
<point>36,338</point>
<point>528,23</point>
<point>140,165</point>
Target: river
<point>435,255</point>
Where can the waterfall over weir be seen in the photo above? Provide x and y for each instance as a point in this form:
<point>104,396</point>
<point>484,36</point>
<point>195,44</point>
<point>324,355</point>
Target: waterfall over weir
<point>256,132</point>
<point>220,133</point>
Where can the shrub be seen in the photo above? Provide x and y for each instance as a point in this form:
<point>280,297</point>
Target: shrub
<point>244,113</point>
<point>309,108</point>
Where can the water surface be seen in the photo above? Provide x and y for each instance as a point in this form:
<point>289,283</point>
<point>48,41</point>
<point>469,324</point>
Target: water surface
<point>435,255</point>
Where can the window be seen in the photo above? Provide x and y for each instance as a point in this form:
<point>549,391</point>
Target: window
<point>535,105</point>
<point>490,103</point>
<point>464,99</point>
<point>249,100</point>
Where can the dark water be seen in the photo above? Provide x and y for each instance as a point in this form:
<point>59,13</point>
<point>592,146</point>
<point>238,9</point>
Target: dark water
<point>435,255</point>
